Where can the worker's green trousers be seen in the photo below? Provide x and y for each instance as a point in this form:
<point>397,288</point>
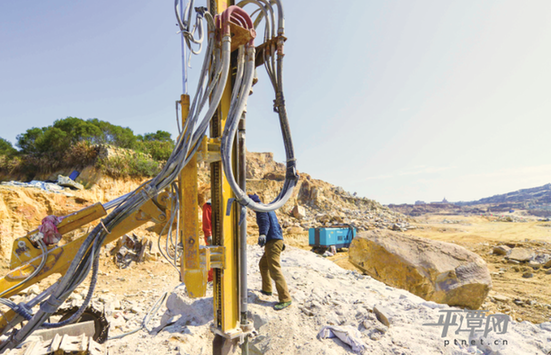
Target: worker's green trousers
<point>270,268</point>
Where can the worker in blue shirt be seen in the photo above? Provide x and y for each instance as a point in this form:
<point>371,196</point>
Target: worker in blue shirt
<point>271,238</point>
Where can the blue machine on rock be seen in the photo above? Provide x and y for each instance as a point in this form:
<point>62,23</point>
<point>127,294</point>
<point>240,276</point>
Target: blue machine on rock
<point>325,237</point>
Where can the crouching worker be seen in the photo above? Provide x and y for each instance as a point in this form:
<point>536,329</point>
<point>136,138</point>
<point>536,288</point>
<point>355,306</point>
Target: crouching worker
<point>271,238</point>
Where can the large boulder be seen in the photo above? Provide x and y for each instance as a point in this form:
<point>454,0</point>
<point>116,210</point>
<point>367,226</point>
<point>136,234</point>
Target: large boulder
<point>436,271</point>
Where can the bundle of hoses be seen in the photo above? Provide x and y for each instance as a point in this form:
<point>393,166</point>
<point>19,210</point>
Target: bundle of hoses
<point>211,84</point>
<point>274,67</point>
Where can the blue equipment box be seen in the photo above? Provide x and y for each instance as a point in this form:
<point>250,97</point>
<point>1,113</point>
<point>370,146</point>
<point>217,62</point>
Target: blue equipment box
<point>340,237</point>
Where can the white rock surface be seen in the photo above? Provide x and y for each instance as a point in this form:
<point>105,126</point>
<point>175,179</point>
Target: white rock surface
<point>324,294</point>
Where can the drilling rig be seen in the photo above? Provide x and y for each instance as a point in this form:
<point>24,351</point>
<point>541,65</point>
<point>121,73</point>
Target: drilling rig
<point>224,33</point>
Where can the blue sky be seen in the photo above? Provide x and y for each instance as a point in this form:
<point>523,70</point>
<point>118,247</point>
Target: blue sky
<point>395,100</point>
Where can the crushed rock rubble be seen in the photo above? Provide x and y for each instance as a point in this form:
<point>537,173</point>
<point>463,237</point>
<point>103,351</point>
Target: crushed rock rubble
<point>314,203</point>
<point>360,218</point>
<point>387,320</point>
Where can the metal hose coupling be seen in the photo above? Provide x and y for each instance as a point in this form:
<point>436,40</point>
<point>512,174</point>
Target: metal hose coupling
<point>279,102</point>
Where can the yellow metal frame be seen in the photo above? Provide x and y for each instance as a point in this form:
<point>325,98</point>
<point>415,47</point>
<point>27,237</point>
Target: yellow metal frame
<point>228,286</point>
<point>196,260</point>
<point>23,250</point>
<point>60,257</point>
<point>223,255</point>
<point>194,264</point>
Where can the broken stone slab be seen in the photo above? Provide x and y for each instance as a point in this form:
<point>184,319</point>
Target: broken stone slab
<point>294,230</point>
<point>434,270</point>
<point>500,298</point>
<point>66,181</point>
<point>117,321</point>
<point>299,212</point>
<point>397,227</point>
<point>84,329</point>
<point>521,254</point>
<point>190,311</point>
<point>382,314</point>
<point>501,250</point>
<point>542,259</point>
<point>31,290</point>
<point>275,175</point>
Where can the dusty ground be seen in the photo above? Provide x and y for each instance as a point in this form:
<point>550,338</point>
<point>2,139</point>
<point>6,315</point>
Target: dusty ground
<point>525,298</point>
<point>522,298</point>
<point>480,235</point>
<point>141,284</point>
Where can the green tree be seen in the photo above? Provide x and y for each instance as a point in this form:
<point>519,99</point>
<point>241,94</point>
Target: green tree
<point>72,141</point>
<point>55,140</point>
<point>118,136</point>
<point>6,148</point>
<point>27,141</point>
<point>53,143</point>
<point>160,136</point>
<point>159,144</point>
<point>77,129</point>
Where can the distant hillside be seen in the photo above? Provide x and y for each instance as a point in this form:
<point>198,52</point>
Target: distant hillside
<point>422,208</point>
<point>536,196</point>
<point>537,200</point>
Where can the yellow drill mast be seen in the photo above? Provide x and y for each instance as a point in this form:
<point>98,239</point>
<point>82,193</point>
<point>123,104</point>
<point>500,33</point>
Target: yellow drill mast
<point>230,28</point>
<point>223,255</point>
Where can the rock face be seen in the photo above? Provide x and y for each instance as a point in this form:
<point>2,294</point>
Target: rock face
<point>434,270</point>
<point>314,203</point>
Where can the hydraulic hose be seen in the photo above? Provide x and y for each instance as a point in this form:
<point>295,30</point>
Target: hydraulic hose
<point>178,159</point>
<point>152,312</point>
<point>291,176</point>
<point>25,312</point>
<point>211,85</point>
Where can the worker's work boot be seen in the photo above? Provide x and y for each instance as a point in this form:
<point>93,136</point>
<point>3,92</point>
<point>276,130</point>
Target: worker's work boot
<point>265,293</point>
<point>281,305</point>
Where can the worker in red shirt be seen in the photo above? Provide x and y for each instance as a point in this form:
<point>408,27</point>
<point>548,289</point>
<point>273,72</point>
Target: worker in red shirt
<point>207,229</point>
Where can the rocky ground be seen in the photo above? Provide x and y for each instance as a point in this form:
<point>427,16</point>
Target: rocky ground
<point>520,288</point>
<point>326,291</point>
<point>324,295</point>
<point>380,319</point>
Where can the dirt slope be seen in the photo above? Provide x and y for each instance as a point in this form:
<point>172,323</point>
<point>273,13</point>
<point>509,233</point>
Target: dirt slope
<point>22,209</point>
